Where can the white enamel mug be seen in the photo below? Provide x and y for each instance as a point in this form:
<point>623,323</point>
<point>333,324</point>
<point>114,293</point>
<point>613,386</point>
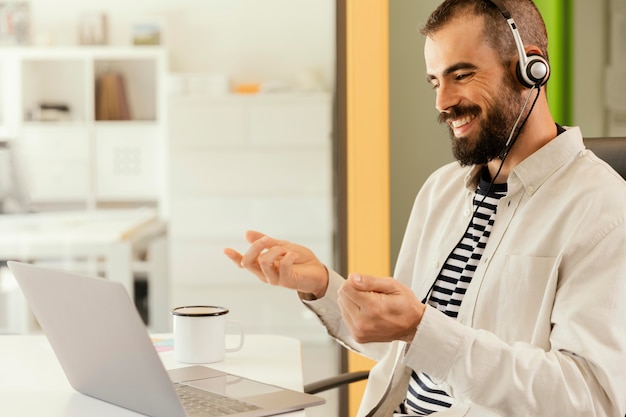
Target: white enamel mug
<point>200,334</point>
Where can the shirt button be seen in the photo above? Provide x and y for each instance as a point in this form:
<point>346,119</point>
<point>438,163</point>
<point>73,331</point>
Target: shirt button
<point>466,212</point>
<point>531,188</point>
<point>436,264</point>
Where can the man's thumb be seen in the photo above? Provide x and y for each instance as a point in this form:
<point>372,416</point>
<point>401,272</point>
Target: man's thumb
<point>371,283</point>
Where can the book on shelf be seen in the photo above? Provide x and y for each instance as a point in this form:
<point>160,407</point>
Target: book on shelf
<point>111,100</point>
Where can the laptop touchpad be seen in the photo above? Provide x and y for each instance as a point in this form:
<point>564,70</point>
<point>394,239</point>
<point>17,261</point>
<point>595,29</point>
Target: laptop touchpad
<point>233,386</point>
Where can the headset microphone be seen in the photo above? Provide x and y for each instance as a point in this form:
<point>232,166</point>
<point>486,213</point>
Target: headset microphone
<point>532,70</point>
<point>514,131</point>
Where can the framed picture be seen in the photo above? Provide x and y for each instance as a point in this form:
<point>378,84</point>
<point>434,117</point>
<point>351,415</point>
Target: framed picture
<point>148,32</point>
<point>14,23</point>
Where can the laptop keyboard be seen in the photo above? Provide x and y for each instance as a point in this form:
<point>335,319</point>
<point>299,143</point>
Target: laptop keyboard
<point>200,403</point>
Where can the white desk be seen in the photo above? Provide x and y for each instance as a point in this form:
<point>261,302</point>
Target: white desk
<point>32,383</point>
<point>110,235</point>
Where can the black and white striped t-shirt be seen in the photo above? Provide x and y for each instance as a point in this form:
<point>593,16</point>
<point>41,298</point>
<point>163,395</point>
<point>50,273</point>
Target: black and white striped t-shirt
<point>424,396</point>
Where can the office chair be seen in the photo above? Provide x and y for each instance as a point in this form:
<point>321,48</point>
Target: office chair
<point>335,381</point>
<point>611,150</point>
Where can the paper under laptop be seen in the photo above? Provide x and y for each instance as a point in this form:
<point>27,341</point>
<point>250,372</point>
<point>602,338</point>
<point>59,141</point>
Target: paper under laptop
<point>105,351</point>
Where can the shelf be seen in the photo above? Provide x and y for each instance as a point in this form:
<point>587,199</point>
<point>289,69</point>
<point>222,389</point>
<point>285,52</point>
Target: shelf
<point>51,105</point>
<point>53,124</point>
<point>138,79</point>
<point>61,82</point>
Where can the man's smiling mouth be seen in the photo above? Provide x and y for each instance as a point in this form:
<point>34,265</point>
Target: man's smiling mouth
<point>461,121</point>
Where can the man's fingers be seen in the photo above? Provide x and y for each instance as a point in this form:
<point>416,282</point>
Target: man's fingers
<point>372,284</point>
<point>234,256</point>
<point>286,263</point>
<point>252,236</point>
<point>257,248</point>
<point>363,290</point>
<point>268,263</point>
<point>355,318</point>
<point>238,259</point>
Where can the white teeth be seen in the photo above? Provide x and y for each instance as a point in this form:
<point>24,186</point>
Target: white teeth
<point>461,122</point>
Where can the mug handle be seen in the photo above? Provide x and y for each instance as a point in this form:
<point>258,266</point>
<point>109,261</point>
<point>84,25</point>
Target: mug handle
<point>240,345</point>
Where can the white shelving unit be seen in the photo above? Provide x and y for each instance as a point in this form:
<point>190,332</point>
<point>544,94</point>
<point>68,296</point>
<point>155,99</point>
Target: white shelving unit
<point>75,158</point>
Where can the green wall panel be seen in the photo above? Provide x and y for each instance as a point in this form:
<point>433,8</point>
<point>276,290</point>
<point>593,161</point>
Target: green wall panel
<point>558,16</point>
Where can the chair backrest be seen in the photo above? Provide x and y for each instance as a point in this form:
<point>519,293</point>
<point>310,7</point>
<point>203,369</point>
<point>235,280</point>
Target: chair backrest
<point>610,149</point>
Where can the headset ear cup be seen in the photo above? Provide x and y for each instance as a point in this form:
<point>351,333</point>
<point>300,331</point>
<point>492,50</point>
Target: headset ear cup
<point>535,73</point>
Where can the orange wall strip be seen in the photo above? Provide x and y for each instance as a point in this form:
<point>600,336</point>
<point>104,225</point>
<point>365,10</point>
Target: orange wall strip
<point>367,73</point>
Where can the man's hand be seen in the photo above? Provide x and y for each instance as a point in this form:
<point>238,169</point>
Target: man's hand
<point>278,262</point>
<point>379,309</point>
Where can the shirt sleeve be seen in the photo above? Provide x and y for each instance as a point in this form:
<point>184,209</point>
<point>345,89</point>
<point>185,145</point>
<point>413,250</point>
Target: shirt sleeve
<point>327,311</point>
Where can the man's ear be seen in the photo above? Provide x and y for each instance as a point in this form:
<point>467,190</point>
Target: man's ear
<point>535,71</point>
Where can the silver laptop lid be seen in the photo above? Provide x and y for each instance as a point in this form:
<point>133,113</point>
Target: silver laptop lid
<point>117,364</point>
<point>106,352</point>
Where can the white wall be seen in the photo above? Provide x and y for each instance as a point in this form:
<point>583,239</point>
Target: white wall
<point>616,70</point>
<point>247,40</point>
<point>589,65</point>
<point>418,144</point>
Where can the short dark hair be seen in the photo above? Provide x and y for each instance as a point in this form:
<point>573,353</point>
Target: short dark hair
<point>529,22</point>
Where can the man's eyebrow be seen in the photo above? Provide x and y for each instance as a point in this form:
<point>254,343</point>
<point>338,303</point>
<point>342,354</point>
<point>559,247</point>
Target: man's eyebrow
<point>451,69</point>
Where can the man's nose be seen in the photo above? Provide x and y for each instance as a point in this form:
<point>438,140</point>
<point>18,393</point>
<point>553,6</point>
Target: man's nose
<point>447,97</point>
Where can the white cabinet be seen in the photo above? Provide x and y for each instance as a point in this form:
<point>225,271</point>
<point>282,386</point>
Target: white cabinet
<point>261,162</point>
<point>57,162</point>
<point>82,139</point>
<point>128,165</point>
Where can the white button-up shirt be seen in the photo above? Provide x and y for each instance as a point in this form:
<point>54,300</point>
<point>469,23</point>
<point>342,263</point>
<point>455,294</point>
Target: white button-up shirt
<point>542,328</point>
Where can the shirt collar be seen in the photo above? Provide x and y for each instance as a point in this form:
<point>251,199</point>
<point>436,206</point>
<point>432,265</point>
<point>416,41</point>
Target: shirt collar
<point>533,171</point>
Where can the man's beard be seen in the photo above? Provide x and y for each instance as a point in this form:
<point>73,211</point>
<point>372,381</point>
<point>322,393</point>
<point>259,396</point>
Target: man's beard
<point>495,128</point>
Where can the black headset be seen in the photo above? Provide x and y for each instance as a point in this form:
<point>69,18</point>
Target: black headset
<point>532,70</point>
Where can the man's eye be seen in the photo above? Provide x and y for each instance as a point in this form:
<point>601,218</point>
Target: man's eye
<point>460,77</point>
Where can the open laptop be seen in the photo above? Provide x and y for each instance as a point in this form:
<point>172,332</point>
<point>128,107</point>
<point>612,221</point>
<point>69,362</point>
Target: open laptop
<point>105,351</point>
